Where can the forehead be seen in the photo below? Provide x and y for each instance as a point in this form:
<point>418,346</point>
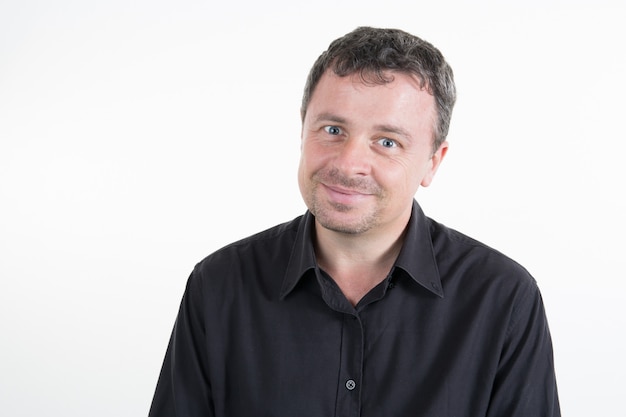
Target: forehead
<point>402,100</point>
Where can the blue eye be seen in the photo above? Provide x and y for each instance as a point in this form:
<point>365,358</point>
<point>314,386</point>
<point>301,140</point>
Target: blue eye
<point>388,143</point>
<point>332,130</point>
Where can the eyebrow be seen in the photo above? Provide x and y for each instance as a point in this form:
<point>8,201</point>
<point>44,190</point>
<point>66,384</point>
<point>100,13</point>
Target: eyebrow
<point>329,117</point>
<point>394,129</point>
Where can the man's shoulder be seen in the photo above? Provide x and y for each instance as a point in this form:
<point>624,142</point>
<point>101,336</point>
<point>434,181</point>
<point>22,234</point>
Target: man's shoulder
<point>476,275</point>
<point>272,242</point>
<point>456,250</point>
<point>442,234</point>
<point>282,231</point>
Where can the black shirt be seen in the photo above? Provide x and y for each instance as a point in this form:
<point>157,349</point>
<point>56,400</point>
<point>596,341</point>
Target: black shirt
<point>456,329</point>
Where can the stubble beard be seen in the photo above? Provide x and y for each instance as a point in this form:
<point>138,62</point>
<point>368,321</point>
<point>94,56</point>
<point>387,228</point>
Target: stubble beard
<point>329,214</point>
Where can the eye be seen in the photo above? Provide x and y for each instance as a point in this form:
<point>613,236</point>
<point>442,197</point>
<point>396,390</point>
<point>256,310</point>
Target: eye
<point>332,130</point>
<point>388,143</point>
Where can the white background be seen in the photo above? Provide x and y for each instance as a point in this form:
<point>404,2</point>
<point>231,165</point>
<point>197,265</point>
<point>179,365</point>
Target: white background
<point>136,137</point>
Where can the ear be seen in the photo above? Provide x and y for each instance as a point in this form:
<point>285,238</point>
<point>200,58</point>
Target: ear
<point>435,161</point>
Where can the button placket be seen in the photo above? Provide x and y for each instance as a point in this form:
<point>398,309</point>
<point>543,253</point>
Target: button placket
<point>349,397</point>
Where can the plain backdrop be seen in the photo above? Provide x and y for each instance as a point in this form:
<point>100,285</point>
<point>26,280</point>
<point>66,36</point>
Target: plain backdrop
<point>136,137</point>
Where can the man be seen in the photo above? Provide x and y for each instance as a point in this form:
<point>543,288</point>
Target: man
<point>363,306</point>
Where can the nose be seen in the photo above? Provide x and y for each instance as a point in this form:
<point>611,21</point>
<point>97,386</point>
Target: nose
<point>354,157</point>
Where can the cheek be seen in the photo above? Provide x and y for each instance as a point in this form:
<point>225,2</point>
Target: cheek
<point>419,168</point>
<point>302,171</point>
<point>402,176</point>
<point>304,163</point>
<point>312,157</point>
<point>303,182</point>
<point>307,167</point>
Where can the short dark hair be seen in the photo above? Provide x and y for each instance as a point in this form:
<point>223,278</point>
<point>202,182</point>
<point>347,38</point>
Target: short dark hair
<point>371,51</point>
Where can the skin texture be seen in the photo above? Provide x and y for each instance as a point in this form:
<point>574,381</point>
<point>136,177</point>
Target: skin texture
<point>366,149</point>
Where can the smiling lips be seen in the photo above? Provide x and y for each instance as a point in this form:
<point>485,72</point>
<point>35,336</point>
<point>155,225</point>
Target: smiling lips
<point>344,196</point>
<point>345,191</point>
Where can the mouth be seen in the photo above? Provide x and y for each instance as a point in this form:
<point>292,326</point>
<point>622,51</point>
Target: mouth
<point>344,196</point>
<point>341,190</point>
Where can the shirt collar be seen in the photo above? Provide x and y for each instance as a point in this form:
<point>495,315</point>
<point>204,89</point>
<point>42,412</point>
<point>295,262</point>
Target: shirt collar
<point>302,256</point>
<point>417,256</point>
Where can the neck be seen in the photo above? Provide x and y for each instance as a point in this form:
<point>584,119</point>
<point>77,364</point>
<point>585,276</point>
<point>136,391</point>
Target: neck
<point>357,263</point>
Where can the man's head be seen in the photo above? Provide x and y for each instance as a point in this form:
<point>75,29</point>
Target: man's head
<point>374,54</point>
<point>374,120</point>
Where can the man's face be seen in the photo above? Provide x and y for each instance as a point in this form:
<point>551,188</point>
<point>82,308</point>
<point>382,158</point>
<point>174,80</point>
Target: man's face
<point>366,148</point>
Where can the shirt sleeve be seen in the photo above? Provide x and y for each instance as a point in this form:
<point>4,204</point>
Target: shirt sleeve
<point>183,388</point>
<point>525,383</point>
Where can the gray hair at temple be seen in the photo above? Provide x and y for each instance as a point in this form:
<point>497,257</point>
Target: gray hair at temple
<point>371,52</point>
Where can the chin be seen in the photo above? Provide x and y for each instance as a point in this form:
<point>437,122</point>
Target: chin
<point>342,222</point>
<point>346,229</point>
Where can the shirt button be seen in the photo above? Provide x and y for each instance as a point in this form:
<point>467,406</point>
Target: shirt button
<point>350,384</point>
